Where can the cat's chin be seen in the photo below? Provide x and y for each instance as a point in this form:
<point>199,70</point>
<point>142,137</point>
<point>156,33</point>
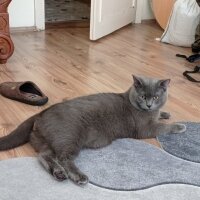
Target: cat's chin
<point>143,109</point>
<point>147,110</point>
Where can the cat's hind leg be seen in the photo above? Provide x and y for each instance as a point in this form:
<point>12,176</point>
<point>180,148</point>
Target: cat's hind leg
<point>47,157</point>
<point>67,162</point>
<point>49,161</point>
<point>74,173</point>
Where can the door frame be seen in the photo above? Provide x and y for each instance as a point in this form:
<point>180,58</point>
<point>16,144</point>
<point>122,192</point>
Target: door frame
<point>138,11</point>
<point>40,13</point>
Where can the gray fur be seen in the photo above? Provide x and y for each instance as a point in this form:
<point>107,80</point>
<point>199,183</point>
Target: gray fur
<point>61,131</point>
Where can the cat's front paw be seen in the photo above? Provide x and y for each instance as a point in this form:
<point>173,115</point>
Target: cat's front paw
<point>178,128</point>
<point>165,115</point>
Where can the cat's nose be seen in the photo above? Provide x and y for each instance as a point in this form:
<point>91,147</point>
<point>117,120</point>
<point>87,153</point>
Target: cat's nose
<point>148,105</point>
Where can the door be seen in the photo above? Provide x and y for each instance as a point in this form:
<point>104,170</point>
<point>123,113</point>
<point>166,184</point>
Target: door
<point>110,15</point>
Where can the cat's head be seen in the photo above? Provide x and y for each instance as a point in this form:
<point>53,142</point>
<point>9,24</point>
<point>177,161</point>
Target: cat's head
<point>148,94</point>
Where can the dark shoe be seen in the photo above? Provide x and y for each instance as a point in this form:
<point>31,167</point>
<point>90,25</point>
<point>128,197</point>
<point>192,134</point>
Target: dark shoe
<point>26,92</point>
<point>196,46</point>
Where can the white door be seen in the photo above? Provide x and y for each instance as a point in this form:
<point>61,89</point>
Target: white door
<point>110,15</point>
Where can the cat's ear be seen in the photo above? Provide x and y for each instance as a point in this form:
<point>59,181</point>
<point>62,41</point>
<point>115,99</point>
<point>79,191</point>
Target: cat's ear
<point>164,83</point>
<point>137,82</point>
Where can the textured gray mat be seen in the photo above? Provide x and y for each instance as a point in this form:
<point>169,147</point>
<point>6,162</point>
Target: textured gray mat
<point>25,179</point>
<point>185,145</point>
<point>129,164</point>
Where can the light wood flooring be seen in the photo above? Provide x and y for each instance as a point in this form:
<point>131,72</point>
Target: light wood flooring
<point>65,64</point>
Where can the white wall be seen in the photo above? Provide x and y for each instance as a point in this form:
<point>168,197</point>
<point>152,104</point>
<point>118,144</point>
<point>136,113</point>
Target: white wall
<point>22,13</point>
<point>146,10</point>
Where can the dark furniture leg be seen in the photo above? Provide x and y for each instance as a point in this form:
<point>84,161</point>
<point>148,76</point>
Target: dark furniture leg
<point>6,44</point>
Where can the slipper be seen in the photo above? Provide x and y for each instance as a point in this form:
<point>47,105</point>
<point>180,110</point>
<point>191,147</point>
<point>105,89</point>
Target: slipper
<point>26,92</point>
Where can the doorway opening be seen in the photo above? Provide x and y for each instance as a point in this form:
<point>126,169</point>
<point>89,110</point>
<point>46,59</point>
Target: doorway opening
<point>67,13</point>
<point>101,16</point>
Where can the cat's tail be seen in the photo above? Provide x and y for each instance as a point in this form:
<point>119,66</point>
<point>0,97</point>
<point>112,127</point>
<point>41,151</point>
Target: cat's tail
<point>18,136</point>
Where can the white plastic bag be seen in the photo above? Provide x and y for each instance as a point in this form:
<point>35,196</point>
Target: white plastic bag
<point>182,24</point>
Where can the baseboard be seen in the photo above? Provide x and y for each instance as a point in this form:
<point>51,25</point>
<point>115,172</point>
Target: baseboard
<point>148,21</point>
<point>23,29</point>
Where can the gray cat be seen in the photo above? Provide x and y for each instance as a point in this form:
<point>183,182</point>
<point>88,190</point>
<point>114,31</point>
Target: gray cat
<point>61,131</point>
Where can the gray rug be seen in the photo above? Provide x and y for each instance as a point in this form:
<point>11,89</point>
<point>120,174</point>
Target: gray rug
<point>25,179</point>
<point>185,145</point>
<point>129,164</point>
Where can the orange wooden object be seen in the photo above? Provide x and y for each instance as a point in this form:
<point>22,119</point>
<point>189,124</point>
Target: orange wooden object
<point>162,10</point>
<point>6,44</point>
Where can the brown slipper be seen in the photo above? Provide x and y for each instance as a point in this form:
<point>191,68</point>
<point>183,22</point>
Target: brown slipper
<point>26,92</point>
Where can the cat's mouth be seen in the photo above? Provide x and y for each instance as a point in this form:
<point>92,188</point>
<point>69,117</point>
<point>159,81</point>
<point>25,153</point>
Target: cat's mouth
<point>147,109</point>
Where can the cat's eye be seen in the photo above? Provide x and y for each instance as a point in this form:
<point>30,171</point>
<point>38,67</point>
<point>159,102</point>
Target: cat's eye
<point>156,97</point>
<point>143,97</point>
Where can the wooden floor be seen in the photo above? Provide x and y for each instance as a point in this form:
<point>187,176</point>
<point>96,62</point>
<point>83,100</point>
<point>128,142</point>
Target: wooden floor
<point>65,64</point>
